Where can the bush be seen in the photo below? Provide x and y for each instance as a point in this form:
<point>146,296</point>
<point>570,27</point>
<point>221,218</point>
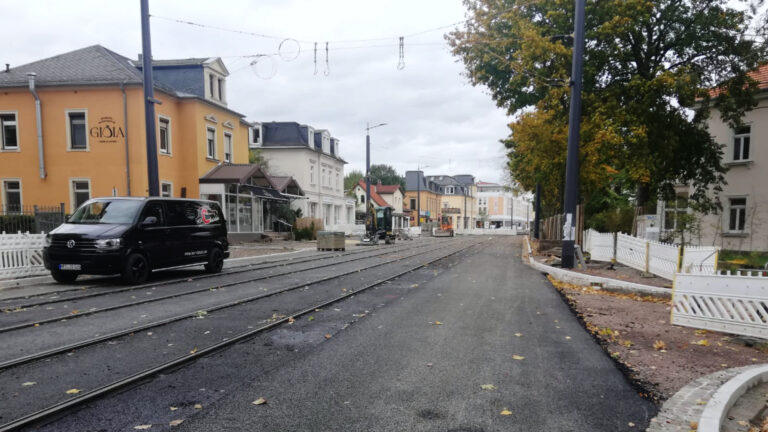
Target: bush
<point>306,233</point>
<point>13,223</point>
<point>614,220</point>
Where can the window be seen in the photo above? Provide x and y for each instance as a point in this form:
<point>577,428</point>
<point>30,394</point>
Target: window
<point>312,174</point>
<point>78,139</point>
<point>165,135</point>
<point>227,147</point>
<point>322,179</point>
<point>255,137</point>
<point>673,211</point>
<point>413,203</point>
<point>81,192</point>
<point>11,196</point>
<point>221,89</point>
<point>211,85</point>
<point>449,190</point>
<point>362,199</point>
<point>211,138</point>
<point>337,181</point>
<point>9,139</point>
<point>737,214</point>
<point>741,139</point>
<point>166,189</point>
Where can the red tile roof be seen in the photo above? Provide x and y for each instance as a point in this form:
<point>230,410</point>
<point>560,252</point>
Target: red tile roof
<point>760,75</point>
<point>387,189</point>
<point>381,202</point>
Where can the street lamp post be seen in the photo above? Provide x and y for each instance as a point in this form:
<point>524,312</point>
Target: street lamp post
<point>418,193</point>
<point>368,127</point>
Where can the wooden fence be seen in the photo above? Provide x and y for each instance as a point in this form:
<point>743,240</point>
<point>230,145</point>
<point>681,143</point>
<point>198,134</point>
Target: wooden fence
<point>552,227</point>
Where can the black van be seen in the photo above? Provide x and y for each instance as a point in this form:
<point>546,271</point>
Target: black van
<point>133,236</point>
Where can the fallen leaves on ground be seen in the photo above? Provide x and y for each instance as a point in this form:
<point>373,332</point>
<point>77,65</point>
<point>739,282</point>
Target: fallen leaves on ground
<point>194,350</point>
<point>694,425</point>
<point>173,408</point>
<point>311,318</point>
<point>291,320</point>
<point>590,290</point>
<point>28,383</point>
<point>73,391</point>
<point>702,342</point>
<point>436,323</point>
<point>328,336</point>
<point>518,334</point>
<point>142,427</point>
<point>505,412</point>
<point>659,345</point>
<point>260,401</point>
<point>198,406</point>
<point>175,422</point>
<point>488,387</point>
<point>517,357</point>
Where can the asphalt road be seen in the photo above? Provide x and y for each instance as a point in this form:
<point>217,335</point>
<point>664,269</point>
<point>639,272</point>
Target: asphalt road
<point>381,362</point>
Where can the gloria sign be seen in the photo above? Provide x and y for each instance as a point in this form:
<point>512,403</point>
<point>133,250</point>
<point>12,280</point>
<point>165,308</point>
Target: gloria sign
<point>107,131</point>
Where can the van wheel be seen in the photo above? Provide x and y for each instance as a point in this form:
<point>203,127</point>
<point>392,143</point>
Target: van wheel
<point>136,269</point>
<point>215,261</point>
<point>64,276</point>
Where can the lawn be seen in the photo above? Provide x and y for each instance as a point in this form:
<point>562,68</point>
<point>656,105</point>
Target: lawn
<point>734,260</point>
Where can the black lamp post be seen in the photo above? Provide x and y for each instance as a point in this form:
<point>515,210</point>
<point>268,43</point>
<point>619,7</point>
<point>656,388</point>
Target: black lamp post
<point>418,193</point>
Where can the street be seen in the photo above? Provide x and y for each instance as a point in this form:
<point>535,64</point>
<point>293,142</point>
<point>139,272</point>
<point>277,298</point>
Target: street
<point>416,352</point>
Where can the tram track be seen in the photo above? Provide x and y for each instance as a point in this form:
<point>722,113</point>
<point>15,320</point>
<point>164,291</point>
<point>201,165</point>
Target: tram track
<point>62,407</point>
<point>37,322</point>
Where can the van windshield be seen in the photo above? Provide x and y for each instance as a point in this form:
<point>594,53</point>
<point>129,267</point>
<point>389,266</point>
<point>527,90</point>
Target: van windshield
<point>106,212</point>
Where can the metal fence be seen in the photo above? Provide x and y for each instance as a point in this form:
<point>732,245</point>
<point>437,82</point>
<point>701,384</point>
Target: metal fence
<point>31,218</point>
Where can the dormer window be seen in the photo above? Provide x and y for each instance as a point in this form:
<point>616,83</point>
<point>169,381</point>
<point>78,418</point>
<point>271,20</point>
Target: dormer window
<point>212,85</point>
<point>221,89</point>
<point>449,190</point>
<point>326,144</point>
<point>255,137</point>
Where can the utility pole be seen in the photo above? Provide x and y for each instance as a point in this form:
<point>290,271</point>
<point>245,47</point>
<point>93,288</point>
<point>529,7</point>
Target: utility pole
<point>153,175</point>
<point>537,212</point>
<point>368,127</point>
<point>418,193</point>
<point>572,162</point>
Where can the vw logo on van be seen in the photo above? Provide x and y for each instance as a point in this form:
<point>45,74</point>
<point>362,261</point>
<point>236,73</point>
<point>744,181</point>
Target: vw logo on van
<point>71,244</point>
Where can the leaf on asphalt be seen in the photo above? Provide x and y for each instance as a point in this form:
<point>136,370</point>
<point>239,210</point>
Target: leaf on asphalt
<point>694,425</point>
<point>173,408</point>
<point>75,312</point>
<point>630,424</point>
<point>659,345</point>
<point>328,336</point>
<point>414,285</point>
<point>517,357</point>
<point>198,406</point>
<point>311,318</point>
<point>437,323</point>
<point>194,350</point>
<point>505,412</point>
<point>701,402</point>
<point>518,334</point>
<point>201,314</point>
<point>37,325</point>
<point>743,423</point>
<point>142,427</point>
<point>291,320</point>
<point>702,342</point>
<point>488,387</point>
<point>567,338</point>
<point>175,422</point>
<point>28,383</point>
<point>73,391</point>
<point>626,343</point>
<point>701,332</point>
<point>260,401</point>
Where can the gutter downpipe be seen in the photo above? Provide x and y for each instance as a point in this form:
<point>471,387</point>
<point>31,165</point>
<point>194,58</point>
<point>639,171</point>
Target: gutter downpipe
<point>39,119</point>
<point>127,154</point>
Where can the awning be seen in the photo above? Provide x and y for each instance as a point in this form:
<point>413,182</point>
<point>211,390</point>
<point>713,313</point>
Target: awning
<point>265,193</point>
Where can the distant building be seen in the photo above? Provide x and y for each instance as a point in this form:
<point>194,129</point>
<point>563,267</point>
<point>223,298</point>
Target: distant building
<point>381,195</point>
<point>442,195</point>
<point>499,207</point>
<point>312,157</point>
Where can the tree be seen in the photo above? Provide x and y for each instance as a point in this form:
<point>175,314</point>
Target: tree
<point>255,156</point>
<point>387,176</point>
<point>351,179</point>
<point>649,66</point>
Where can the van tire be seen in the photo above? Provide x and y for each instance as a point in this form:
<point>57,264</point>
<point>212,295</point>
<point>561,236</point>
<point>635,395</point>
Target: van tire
<point>64,276</point>
<point>136,269</point>
<point>215,261</point>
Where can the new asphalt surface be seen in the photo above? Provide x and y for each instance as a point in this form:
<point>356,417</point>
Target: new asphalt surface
<point>410,355</point>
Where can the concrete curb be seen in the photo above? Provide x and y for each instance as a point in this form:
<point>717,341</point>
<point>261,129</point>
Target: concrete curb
<point>723,399</point>
<point>228,263</point>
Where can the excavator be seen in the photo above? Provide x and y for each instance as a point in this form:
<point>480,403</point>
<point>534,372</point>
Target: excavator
<point>378,225</point>
<point>446,227</point>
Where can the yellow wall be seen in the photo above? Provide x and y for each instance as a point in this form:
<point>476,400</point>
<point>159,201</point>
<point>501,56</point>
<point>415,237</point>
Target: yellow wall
<point>430,201</point>
<point>104,162</point>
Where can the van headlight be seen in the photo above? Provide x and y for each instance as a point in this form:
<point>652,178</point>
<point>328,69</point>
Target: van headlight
<point>108,243</point>
<point>47,240</point>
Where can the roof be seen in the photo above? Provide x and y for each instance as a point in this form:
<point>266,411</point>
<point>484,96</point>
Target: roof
<point>282,183</point>
<point>760,75</point>
<point>381,202</point>
<point>482,183</point>
<point>387,189</point>
<point>234,173</point>
<point>293,134</point>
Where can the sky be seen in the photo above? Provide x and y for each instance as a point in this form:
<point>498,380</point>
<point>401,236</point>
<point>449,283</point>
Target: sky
<point>434,116</point>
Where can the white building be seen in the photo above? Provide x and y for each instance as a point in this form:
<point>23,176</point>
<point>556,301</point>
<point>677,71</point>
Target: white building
<point>311,156</point>
<point>495,204</point>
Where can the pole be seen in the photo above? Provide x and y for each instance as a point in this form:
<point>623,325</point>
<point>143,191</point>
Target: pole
<point>537,212</point>
<point>367,167</point>
<point>149,101</point>
<point>418,197</point>
<point>572,162</point>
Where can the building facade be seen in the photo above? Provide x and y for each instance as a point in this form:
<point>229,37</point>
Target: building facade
<point>73,128</point>
<point>443,195</point>
<point>312,157</point>
<point>499,207</point>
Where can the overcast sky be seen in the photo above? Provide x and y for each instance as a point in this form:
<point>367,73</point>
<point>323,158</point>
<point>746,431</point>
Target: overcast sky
<point>434,116</point>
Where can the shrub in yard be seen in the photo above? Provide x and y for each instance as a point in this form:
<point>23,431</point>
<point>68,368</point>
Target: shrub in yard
<point>14,223</point>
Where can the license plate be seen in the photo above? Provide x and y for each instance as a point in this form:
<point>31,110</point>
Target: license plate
<point>69,266</point>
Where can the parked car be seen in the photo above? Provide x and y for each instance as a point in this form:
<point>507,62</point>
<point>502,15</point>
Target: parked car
<point>133,236</point>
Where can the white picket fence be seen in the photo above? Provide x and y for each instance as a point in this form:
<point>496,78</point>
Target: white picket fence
<point>21,254</point>
<point>661,259</point>
<point>733,303</point>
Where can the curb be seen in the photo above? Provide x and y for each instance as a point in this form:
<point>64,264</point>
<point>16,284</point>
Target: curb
<point>723,399</point>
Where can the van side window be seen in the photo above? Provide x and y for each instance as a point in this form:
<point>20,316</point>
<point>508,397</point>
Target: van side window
<point>209,214</point>
<point>182,213</point>
<point>154,209</point>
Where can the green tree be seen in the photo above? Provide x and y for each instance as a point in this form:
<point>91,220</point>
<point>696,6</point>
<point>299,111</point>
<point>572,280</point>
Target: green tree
<point>648,69</point>
<point>255,156</point>
<point>351,179</point>
<point>387,175</point>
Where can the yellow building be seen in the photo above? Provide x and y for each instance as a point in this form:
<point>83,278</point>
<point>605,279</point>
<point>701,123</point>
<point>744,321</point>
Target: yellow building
<point>450,196</point>
<point>72,128</point>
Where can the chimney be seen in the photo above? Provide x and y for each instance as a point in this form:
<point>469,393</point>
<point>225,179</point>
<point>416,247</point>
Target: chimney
<point>7,67</point>
<point>141,58</point>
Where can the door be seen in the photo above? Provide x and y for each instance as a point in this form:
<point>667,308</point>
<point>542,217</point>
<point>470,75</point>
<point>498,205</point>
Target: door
<point>154,239</point>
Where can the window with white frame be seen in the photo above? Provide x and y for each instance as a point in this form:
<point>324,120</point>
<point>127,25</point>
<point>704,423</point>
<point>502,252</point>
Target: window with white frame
<point>164,126</point>
<point>166,189</point>
<point>227,147</point>
<point>449,190</point>
<point>737,214</point>
<point>11,196</point>
<point>221,89</point>
<point>80,192</point>
<point>211,143</point>
<point>741,143</point>
<point>76,130</point>
<point>674,211</point>
<point>312,174</point>
<point>9,137</point>
<point>255,133</point>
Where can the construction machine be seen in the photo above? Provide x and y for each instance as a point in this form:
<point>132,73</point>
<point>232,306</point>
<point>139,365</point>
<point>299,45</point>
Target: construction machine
<point>378,225</point>
<point>446,227</point>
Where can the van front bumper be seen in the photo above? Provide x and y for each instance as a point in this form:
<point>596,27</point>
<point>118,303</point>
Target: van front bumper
<point>96,262</point>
